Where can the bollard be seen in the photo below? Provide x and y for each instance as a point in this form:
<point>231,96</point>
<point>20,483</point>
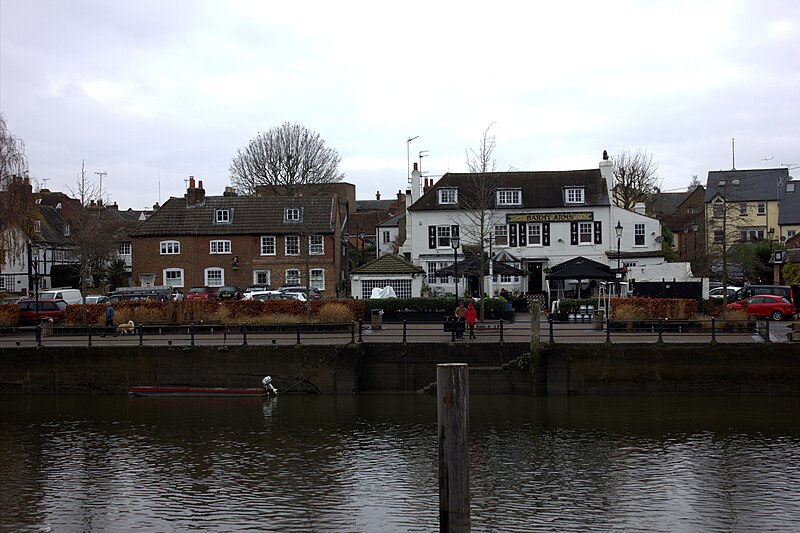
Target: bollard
<point>608,329</point>
<point>360,330</point>
<point>552,337</point>
<point>766,330</point>
<point>660,330</point>
<point>38,335</point>
<point>90,335</point>
<point>405,325</point>
<point>501,330</point>
<point>298,332</point>
<point>713,330</point>
<point>352,331</point>
<point>141,335</point>
<point>452,391</point>
<point>244,334</point>
<point>191,333</point>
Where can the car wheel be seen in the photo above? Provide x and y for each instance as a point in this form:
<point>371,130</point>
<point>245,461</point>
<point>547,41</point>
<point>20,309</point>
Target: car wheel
<point>777,316</point>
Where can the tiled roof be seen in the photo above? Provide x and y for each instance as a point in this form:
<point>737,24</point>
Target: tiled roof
<point>250,215</point>
<point>539,189</point>
<point>389,264</point>
<point>790,207</point>
<point>753,185</point>
<point>392,222</point>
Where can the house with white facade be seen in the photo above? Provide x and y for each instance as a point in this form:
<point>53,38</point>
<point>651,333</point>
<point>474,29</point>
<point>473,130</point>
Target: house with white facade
<point>532,220</point>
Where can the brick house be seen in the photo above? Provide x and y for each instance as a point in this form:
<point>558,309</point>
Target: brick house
<point>240,240</point>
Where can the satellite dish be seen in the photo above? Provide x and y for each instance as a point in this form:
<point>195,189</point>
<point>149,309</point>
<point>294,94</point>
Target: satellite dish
<point>659,239</point>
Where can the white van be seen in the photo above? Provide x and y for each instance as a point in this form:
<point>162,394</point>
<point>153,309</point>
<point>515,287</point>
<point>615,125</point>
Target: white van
<point>71,296</point>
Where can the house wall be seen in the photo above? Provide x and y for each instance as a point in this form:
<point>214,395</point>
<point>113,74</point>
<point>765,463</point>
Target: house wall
<point>195,257</point>
<point>384,248</point>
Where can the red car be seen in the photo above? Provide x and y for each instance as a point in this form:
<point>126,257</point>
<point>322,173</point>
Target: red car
<point>765,306</point>
<point>29,311</point>
<point>201,293</point>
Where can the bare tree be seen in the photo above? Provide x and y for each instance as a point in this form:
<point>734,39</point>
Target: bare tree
<point>635,178</point>
<point>284,159</point>
<point>477,201</point>
<point>17,208</point>
<point>695,183</point>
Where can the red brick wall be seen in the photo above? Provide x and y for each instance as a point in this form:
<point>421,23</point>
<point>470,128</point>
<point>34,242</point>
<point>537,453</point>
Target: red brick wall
<point>195,258</point>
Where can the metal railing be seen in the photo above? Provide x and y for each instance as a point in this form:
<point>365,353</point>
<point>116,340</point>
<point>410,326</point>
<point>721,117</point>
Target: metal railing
<point>550,331</point>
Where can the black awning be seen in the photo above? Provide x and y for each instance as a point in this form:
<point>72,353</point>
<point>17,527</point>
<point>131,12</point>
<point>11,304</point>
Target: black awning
<point>471,266</point>
<point>580,268</point>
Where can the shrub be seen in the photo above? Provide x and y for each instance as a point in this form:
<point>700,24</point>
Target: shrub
<point>9,314</point>
<point>627,311</point>
<point>654,308</point>
<point>335,312</point>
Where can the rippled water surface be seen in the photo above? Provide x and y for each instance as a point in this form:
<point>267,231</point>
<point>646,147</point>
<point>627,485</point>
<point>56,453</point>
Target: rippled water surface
<point>310,463</point>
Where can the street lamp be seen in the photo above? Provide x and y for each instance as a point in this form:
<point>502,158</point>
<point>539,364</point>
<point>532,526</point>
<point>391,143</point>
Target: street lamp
<point>618,230</point>
<point>35,267</point>
<point>695,227</point>
<point>685,244</point>
<point>361,238</point>
<point>454,243</point>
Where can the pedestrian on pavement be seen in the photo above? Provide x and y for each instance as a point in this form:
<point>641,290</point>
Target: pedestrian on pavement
<point>109,320</point>
<point>460,314</point>
<point>472,318</point>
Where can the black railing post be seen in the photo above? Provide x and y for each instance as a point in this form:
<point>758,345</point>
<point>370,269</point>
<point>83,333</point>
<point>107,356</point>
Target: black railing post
<point>297,326</point>
<point>141,334</point>
<point>405,325</point>
<point>244,334</point>
<point>38,335</point>
<point>501,330</point>
<point>191,333</point>
<point>766,330</point>
<point>352,331</point>
<point>660,330</point>
<point>90,335</point>
<point>713,329</point>
<point>552,336</point>
<point>360,330</point>
<point>608,329</point>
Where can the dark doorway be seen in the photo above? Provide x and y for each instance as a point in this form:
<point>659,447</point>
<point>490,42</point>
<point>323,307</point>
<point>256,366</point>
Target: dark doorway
<point>534,278</point>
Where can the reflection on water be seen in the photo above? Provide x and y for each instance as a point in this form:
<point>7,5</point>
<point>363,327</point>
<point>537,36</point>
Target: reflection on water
<point>311,463</point>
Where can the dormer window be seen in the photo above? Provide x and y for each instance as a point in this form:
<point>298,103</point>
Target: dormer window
<point>448,196</point>
<point>222,216</point>
<point>509,197</point>
<point>574,195</point>
<point>292,214</point>
<point>66,230</point>
<point>37,226</point>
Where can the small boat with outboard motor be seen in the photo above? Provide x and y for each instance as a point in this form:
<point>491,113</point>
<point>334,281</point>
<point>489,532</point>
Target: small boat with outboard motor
<point>267,389</point>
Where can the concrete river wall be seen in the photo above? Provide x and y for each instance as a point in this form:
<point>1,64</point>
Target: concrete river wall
<point>398,368</point>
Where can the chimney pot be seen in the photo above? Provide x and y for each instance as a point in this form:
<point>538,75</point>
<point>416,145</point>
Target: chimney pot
<point>191,182</point>
<point>378,195</point>
<point>415,167</point>
<point>200,184</point>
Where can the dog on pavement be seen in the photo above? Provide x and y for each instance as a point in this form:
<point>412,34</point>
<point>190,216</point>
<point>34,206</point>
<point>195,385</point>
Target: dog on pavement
<point>126,328</point>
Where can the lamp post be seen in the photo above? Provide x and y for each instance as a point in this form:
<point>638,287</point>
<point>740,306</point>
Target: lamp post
<point>685,246</point>
<point>618,276</point>
<point>695,227</point>
<point>35,268</point>
<point>361,238</point>
<point>454,243</point>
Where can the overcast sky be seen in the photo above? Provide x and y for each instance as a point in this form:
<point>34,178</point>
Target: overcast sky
<point>154,91</point>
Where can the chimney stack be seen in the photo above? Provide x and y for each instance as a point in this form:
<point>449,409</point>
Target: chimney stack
<point>195,196</point>
<point>191,182</point>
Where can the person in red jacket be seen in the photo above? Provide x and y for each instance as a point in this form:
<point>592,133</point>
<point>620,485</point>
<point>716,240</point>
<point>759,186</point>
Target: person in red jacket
<point>472,319</point>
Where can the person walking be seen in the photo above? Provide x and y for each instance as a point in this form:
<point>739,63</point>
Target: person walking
<point>109,320</point>
<point>460,314</point>
<point>472,319</point>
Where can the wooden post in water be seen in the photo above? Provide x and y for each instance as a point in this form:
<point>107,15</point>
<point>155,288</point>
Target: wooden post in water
<point>452,394</point>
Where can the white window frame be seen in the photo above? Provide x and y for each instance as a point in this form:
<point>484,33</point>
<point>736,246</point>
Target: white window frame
<point>317,279</point>
<point>742,209</point>
<point>212,281</point>
<point>165,276</point>
<point>292,280</point>
<point>37,226</point>
<point>501,235</point>
<point>264,271</point>
<point>585,231</point>
<point>222,216</point>
<point>386,236</point>
<point>639,235</point>
<point>124,248</point>
<point>448,196</point>
<point>170,247</point>
<point>295,241</point>
<point>762,208</point>
<point>66,230</point>
<point>507,197</point>
<point>292,214</point>
<point>534,233</point>
<point>219,247</point>
<point>268,245</point>
<point>316,245</point>
<point>574,195</point>
<point>443,235</point>
<point>718,208</point>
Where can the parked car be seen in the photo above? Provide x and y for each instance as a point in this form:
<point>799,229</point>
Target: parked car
<point>95,299</point>
<point>766,306</point>
<point>11,300</point>
<point>71,296</point>
<point>313,294</point>
<point>51,308</point>
<point>718,292</point>
<point>269,295</point>
<point>257,288</point>
<point>201,293</point>
<point>784,291</point>
<point>229,292</point>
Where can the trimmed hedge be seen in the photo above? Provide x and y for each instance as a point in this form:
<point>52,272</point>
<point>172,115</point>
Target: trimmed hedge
<point>9,315</point>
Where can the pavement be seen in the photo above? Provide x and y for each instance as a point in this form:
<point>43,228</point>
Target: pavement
<point>488,332</point>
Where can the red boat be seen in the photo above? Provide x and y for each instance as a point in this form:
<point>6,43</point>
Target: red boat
<point>266,390</point>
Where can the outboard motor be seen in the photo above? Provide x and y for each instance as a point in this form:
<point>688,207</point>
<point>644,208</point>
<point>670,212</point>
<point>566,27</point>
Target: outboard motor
<point>267,383</point>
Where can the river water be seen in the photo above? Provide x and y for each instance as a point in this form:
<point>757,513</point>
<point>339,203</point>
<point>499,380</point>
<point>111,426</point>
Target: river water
<point>370,463</point>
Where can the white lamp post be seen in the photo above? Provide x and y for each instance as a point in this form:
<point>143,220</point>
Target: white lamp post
<point>454,244</point>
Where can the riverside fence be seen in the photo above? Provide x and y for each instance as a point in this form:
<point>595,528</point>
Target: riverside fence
<point>550,331</point>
